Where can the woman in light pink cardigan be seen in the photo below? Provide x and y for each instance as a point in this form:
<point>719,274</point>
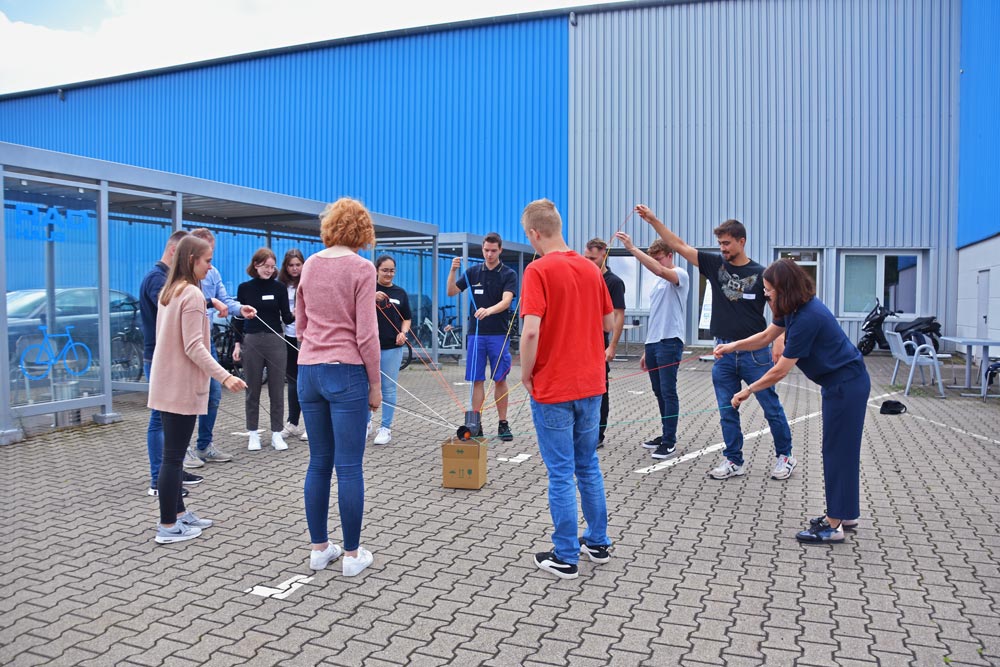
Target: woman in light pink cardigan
<point>182,367</point>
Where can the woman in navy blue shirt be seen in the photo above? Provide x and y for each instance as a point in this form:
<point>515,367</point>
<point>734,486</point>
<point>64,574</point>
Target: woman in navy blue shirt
<point>816,344</point>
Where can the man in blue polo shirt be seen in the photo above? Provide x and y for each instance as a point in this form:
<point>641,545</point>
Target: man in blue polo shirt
<point>493,287</point>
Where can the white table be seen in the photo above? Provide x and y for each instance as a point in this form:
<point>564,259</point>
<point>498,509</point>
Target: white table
<point>970,343</point>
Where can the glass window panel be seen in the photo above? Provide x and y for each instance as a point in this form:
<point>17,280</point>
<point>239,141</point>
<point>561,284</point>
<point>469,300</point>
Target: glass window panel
<point>52,304</point>
<point>900,289</point>
<point>860,276</point>
<point>627,268</point>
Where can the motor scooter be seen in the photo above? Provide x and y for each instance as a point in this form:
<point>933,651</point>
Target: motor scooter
<point>874,332</point>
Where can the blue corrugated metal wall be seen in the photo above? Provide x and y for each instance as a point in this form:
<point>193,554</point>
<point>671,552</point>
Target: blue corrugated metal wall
<point>979,161</point>
<point>458,128</point>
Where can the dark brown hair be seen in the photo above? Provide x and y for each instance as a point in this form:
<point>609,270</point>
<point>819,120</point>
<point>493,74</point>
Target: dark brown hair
<point>189,249</point>
<point>493,237</point>
<point>259,257</point>
<point>732,228</point>
<point>659,247</point>
<point>793,286</point>
<point>283,277</point>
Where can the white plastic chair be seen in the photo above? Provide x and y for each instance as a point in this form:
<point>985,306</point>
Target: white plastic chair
<point>921,356</point>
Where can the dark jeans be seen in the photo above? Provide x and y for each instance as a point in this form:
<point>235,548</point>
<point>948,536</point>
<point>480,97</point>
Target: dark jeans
<point>177,431</point>
<point>206,422</point>
<point>844,408</point>
<point>154,437</point>
<point>292,377</point>
<point>334,400</point>
<point>662,359</point>
<point>728,373</point>
<point>605,404</point>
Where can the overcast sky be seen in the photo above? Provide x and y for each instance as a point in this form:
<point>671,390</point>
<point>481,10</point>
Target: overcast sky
<point>51,42</point>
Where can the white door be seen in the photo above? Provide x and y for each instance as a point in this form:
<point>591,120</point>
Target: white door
<point>982,323</point>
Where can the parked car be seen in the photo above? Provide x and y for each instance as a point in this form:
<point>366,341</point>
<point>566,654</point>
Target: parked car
<point>76,307</point>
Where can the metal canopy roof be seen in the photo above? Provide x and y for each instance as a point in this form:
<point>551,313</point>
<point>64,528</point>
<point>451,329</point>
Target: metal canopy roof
<point>148,192</point>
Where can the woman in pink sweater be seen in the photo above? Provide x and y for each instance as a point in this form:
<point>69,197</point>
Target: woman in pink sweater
<point>339,381</point>
<point>182,367</point>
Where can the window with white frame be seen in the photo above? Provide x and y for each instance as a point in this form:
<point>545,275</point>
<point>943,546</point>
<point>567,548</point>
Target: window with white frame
<point>809,260</point>
<point>894,279</point>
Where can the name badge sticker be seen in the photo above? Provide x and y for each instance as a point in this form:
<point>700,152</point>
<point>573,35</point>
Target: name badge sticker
<point>478,291</point>
<point>267,297</point>
<point>750,296</point>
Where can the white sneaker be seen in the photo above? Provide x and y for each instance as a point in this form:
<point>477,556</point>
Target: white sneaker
<point>254,441</point>
<point>278,442</point>
<point>725,470</point>
<point>384,436</point>
<point>320,559</point>
<point>192,460</point>
<point>783,467</point>
<point>368,429</point>
<point>355,564</point>
<point>305,435</point>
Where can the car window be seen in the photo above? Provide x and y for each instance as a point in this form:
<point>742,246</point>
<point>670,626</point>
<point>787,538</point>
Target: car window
<point>122,302</point>
<point>77,302</point>
<point>24,303</point>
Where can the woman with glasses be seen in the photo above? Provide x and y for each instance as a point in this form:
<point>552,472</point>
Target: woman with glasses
<point>291,269</point>
<point>815,342</point>
<point>394,320</point>
<point>263,345</point>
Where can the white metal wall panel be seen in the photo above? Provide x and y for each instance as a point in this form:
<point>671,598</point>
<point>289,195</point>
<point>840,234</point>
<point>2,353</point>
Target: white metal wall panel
<point>826,124</point>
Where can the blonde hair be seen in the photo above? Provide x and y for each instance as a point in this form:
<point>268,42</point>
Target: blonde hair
<point>189,249</point>
<point>348,223</point>
<point>542,216</point>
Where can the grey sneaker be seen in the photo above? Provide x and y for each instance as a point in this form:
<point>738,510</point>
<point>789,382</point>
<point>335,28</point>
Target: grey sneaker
<point>189,518</point>
<point>191,459</point>
<point>783,467</point>
<point>179,533</point>
<point>725,470</point>
<point>213,455</point>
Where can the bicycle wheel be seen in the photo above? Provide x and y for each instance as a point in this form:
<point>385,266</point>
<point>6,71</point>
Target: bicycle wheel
<point>36,362</point>
<point>126,360</point>
<point>76,358</point>
<point>407,357</point>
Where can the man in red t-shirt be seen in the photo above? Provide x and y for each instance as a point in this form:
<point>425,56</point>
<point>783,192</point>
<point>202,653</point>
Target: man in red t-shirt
<point>566,310</point>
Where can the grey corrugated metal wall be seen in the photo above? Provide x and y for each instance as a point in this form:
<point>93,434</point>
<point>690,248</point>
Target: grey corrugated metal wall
<point>826,124</point>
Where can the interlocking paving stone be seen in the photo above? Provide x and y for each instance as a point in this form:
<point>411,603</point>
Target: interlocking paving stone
<point>703,573</point>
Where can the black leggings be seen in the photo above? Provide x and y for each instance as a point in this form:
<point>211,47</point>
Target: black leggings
<point>292,377</point>
<point>177,430</point>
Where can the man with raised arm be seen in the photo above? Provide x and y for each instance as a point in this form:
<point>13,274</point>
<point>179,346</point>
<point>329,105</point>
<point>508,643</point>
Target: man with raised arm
<point>737,313</point>
<point>493,286</point>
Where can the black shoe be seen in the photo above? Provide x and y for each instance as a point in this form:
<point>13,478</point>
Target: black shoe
<point>821,533</point>
<point>153,492</point>
<point>190,480</point>
<point>654,443</point>
<point>546,560</point>
<point>504,431</point>
<point>600,441</point>
<point>598,553</point>
<point>664,451</point>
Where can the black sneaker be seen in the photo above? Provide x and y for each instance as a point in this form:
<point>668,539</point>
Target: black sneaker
<point>190,480</point>
<point>600,442</point>
<point>664,451</point>
<point>654,443</point>
<point>504,431</point>
<point>153,492</point>
<point>546,560</point>
<point>598,553</point>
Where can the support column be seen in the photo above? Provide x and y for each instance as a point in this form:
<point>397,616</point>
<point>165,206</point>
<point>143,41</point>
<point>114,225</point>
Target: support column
<point>107,415</point>
<point>9,431</point>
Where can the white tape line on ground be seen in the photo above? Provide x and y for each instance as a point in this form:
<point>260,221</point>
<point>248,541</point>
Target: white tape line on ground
<point>283,590</point>
<point>721,445</point>
<point>977,436</point>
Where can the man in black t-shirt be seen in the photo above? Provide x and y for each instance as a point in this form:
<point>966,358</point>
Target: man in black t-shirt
<point>597,252</point>
<point>488,339</point>
<point>737,312</point>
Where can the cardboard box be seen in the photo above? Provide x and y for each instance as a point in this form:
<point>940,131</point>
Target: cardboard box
<point>463,463</point>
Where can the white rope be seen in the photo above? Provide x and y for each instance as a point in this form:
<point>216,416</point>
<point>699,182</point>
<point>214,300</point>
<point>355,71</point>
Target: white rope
<point>281,336</point>
<point>420,416</point>
<point>436,413</point>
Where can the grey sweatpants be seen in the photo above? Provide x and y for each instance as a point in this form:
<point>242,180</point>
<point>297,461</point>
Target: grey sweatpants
<point>260,351</point>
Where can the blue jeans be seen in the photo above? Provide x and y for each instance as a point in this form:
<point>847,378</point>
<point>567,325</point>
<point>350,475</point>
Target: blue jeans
<point>334,399</point>
<point>390,361</point>
<point>727,374</point>
<point>154,437</point>
<point>567,441</point>
<point>662,358</point>
<point>206,422</point>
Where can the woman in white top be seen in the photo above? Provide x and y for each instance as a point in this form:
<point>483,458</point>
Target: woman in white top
<point>291,269</point>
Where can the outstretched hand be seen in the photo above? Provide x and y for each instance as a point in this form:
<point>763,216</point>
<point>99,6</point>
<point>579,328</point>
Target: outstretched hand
<point>645,213</point>
<point>625,239</point>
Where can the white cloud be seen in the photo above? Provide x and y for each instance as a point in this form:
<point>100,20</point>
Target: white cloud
<point>146,34</point>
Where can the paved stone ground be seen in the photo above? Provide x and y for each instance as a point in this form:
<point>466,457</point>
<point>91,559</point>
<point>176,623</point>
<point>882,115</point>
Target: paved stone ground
<point>703,573</point>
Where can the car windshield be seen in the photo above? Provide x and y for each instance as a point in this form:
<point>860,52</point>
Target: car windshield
<point>24,303</point>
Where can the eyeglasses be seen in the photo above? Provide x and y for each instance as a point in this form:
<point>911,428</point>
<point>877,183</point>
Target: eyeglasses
<point>266,266</point>
<point>387,270</point>
<point>768,294</point>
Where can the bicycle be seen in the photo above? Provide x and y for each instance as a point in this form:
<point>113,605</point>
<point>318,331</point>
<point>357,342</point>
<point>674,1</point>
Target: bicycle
<point>75,356</point>
<point>224,340</point>
<point>127,348</point>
